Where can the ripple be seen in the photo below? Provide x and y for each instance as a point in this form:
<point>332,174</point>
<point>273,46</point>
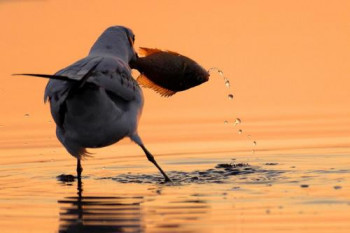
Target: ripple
<point>221,173</point>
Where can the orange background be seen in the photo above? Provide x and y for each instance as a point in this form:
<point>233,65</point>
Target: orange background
<point>283,58</point>
<point>288,63</point>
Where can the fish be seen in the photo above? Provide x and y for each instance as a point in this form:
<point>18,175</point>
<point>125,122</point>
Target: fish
<point>168,72</point>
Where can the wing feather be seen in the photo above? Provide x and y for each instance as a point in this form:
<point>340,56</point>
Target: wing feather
<point>110,73</point>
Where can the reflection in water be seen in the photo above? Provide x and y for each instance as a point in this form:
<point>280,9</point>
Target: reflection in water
<point>181,216</point>
<point>100,214</point>
<point>151,213</point>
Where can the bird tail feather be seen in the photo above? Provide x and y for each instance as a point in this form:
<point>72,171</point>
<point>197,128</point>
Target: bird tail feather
<point>49,76</point>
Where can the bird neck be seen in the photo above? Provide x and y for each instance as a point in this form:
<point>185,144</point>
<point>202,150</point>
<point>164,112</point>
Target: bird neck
<point>112,46</point>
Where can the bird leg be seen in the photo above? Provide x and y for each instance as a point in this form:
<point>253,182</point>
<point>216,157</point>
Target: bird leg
<point>152,160</point>
<point>79,169</point>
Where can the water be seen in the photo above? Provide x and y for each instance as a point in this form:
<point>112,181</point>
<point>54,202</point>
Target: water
<point>219,185</point>
<point>303,138</point>
<point>230,97</point>
<point>237,121</point>
<point>227,83</point>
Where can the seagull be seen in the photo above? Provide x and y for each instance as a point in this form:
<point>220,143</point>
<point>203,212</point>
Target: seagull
<point>95,102</point>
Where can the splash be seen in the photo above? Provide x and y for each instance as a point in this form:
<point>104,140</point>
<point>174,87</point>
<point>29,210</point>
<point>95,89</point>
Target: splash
<point>221,73</point>
<point>230,96</point>
<point>227,83</point>
<point>219,173</point>
<point>237,121</point>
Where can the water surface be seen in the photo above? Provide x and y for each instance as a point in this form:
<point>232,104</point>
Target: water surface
<point>294,183</point>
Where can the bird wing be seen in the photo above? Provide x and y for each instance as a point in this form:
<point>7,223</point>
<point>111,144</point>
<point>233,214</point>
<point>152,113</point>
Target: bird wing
<point>110,73</point>
<point>61,82</point>
<point>114,75</point>
<point>80,69</point>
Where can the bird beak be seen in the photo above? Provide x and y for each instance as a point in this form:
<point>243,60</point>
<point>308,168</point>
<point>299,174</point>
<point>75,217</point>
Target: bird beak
<point>133,61</point>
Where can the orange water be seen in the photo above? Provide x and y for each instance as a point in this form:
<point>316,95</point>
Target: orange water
<point>271,199</point>
<point>288,66</point>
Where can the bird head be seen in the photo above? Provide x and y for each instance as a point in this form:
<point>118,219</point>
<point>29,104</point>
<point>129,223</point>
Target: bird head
<point>116,41</point>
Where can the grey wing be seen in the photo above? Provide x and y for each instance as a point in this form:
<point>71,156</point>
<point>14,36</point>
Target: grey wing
<point>57,92</point>
<point>74,72</point>
<point>112,74</point>
<point>81,68</point>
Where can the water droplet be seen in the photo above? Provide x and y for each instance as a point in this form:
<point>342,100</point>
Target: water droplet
<point>227,83</point>
<point>212,68</point>
<point>254,143</point>
<point>237,121</point>
<point>217,70</point>
<point>26,115</point>
<point>225,122</point>
<point>230,96</point>
<point>240,131</point>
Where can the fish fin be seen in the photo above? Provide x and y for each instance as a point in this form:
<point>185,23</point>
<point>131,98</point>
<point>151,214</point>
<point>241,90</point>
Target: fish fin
<point>145,82</point>
<point>147,51</point>
<point>174,53</point>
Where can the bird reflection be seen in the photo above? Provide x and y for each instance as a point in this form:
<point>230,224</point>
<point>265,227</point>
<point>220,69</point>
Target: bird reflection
<point>89,214</point>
